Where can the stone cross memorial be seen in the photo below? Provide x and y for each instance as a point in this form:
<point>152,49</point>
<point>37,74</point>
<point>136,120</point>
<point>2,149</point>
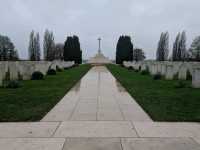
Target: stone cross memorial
<point>99,58</point>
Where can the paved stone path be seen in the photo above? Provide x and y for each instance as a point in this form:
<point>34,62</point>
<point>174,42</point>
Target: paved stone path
<point>98,114</point>
<point>97,97</point>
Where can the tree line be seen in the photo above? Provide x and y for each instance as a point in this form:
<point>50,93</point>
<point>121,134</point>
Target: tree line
<point>70,50</point>
<point>126,52</point>
<point>179,51</point>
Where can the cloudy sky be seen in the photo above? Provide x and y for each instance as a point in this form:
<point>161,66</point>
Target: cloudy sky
<point>143,20</point>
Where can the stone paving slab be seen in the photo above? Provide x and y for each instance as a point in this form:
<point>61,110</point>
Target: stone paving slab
<point>162,129</point>
<point>63,110</point>
<point>197,139</point>
<point>92,144</point>
<point>86,107</point>
<point>83,117</point>
<point>109,116</point>
<point>32,143</point>
<point>88,100</point>
<point>159,144</point>
<point>35,129</point>
<point>95,129</point>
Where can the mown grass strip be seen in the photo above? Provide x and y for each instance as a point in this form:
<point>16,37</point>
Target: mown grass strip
<point>161,99</point>
<point>36,97</point>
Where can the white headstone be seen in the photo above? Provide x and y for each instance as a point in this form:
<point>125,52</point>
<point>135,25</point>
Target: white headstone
<point>2,72</point>
<point>163,69</point>
<point>169,72</point>
<point>26,68</point>
<point>182,73</point>
<point>154,69</point>
<point>196,77</point>
<point>143,67</point>
<point>13,69</point>
<point>159,67</point>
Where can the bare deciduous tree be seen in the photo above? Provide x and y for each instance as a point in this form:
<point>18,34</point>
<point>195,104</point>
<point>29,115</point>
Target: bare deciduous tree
<point>49,46</point>
<point>59,50</point>
<point>34,47</point>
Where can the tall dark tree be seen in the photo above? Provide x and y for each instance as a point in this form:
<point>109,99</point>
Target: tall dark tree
<point>163,47</point>
<point>176,48</point>
<point>124,49</point>
<point>182,47</point>
<point>31,48</point>
<point>179,47</point>
<point>72,50</point>
<point>37,47</point>
<point>138,54</point>
<point>7,49</point>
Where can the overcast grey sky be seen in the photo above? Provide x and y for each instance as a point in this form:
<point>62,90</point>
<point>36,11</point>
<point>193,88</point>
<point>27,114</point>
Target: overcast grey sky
<point>143,20</point>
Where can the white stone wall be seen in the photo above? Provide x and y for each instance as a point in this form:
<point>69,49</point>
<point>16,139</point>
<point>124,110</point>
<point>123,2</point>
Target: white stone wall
<point>182,72</point>
<point>26,68</point>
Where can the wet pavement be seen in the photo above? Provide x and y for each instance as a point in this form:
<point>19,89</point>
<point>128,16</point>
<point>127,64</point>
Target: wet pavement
<point>97,97</point>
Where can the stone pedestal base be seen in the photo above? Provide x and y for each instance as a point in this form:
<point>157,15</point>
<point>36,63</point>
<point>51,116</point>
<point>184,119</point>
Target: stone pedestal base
<point>99,59</point>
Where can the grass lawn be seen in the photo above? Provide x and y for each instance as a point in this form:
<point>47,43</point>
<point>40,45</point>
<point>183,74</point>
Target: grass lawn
<point>35,98</point>
<point>161,99</point>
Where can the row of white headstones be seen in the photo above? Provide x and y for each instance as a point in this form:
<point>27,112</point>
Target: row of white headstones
<point>25,69</point>
<point>169,69</point>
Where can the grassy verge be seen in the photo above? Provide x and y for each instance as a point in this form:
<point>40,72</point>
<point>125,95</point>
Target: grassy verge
<point>35,98</point>
<point>161,99</point>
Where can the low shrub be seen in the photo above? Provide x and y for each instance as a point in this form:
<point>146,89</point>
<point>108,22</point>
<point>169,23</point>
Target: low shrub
<point>180,84</point>
<point>136,70</point>
<point>121,65</point>
<point>188,75</point>
<point>130,68</point>
<point>13,84</point>
<point>7,75</point>
<point>20,77</point>
<point>144,72</point>
<point>75,65</point>
<point>51,72</point>
<point>6,79</point>
<point>148,69</point>
<point>157,76</point>
<point>66,68</point>
<point>37,76</point>
<point>175,76</point>
<point>58,69</point>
